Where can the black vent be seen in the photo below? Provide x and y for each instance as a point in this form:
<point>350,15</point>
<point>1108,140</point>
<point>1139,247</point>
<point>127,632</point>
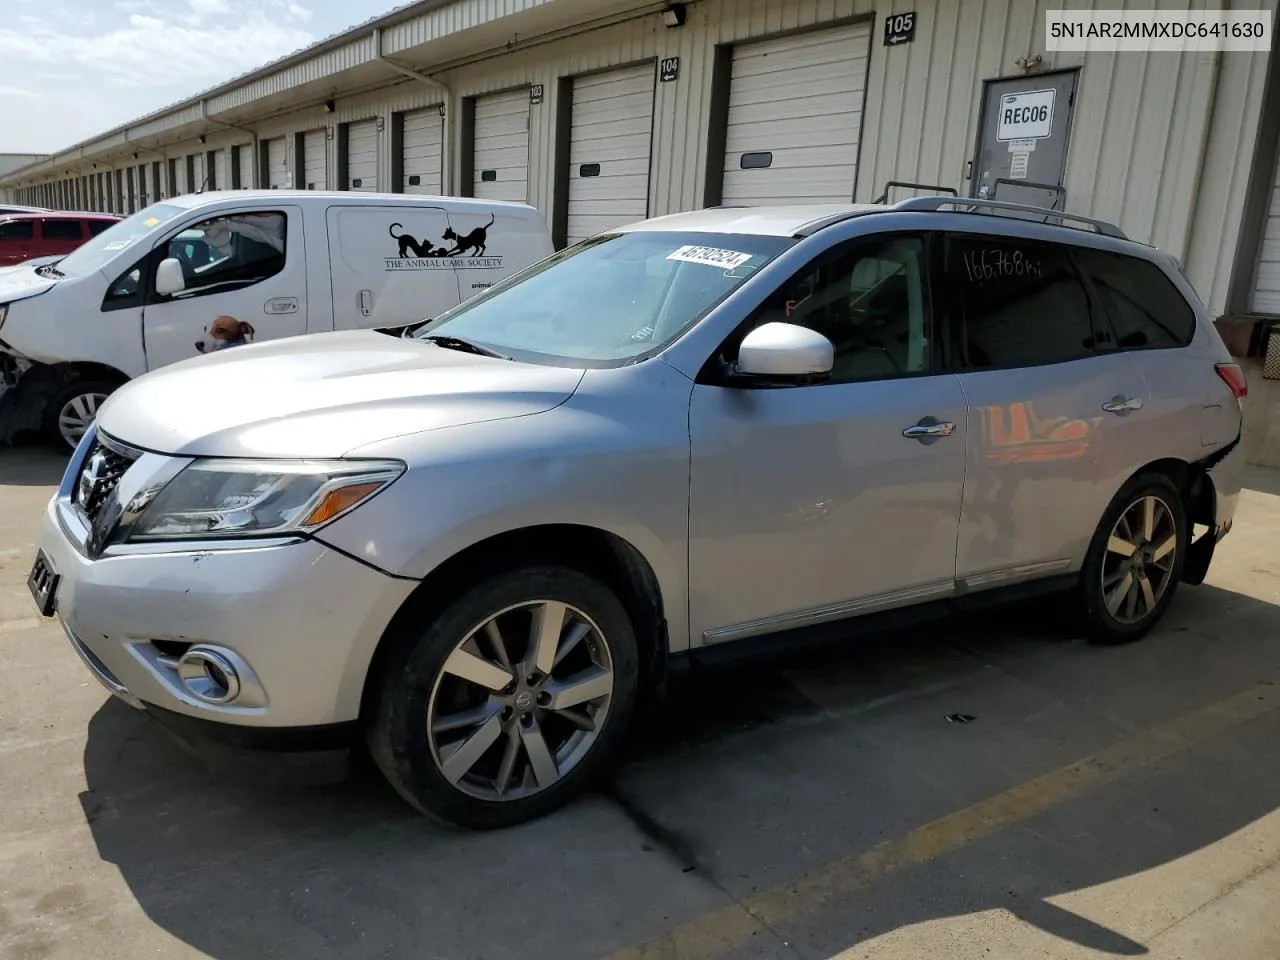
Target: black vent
<point>99,476</point>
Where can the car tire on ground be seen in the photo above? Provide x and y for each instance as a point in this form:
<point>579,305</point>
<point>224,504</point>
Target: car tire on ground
<point>511,702</point>
<point>72,410</point>
<point>1135,560</point>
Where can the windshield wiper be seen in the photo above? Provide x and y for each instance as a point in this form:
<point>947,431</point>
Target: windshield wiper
<point>465,346</point>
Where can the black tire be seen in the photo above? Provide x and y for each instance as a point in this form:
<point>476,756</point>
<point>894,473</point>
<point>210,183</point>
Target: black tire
<point>77,388</point>
<point>1101,626</point>
<point>397,726</point>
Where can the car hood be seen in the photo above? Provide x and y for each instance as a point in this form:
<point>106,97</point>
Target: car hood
<point>323,395</point>
<point>20,280</point>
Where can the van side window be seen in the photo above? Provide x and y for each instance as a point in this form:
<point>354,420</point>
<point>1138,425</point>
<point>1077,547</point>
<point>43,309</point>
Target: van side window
<point>1145,307</point>
<point>16,230</point>
<point>1015,303</point>
<point>869,297</point>
<point>98,226</point>
<point>60,229</point>
<point>228,253</point>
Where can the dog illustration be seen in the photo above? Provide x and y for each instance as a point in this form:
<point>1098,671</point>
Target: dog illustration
<point>473,241</point>
<point>409,243</point>
<point>225,332</point>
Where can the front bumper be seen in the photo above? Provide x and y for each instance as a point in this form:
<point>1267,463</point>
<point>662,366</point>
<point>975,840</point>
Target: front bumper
<point>302,619</point>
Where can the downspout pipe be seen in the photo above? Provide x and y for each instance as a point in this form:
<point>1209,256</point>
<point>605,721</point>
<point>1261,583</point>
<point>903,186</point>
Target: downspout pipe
<point>446,99</point>
<point>253,134</point>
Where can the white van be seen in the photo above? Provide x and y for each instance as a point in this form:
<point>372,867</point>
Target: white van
<point>205,272</point>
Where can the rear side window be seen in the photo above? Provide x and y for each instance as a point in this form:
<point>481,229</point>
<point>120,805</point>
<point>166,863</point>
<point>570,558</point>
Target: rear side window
<point>60,229</point>
<point>97,226</point>
<point>16,230</point>
<point>1145,308</point>
<point>1015,303</point>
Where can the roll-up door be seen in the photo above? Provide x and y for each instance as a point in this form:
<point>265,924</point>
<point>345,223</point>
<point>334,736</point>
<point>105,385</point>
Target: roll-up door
<point>221,171</point>
<point>277,164</point>
<point>422,149</point>
<point>246,166</point>
<point>610,136</point>
<point>1266,280</point>
<point>795,117</point>
<point>315,169</point>
<point>362,156</point>
<point>500,154</point>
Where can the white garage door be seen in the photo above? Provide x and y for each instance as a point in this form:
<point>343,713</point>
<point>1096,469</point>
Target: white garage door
<point>501,151</point>
<point>278,164</point>
<point>795,117</point>
<point>422,146</point>
<point>246,166</point>
<point>221,171</point>
<point>315,160</point>
<point>362,156</point>
<point>609,141</point>
<point>1266,282</point>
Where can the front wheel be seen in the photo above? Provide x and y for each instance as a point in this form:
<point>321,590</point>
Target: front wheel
<point>511,702</point>
<point>1135,560</point>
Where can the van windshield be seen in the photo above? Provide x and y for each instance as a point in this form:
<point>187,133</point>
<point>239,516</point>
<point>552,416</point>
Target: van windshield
<point>96,251</point>
<point>608,299</point>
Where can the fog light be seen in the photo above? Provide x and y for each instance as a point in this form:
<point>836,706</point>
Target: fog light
<point>209,675</point>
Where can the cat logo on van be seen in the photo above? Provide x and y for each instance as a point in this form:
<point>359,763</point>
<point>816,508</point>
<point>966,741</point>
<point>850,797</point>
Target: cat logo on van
<point>465,251</point>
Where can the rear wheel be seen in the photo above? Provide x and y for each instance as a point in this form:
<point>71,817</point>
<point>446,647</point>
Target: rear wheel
<point>1135,560</point>
<point>511,702</point>
<point>72,411</point>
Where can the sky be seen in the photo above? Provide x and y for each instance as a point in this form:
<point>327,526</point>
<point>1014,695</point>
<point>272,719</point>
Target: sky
<point>76,68</point>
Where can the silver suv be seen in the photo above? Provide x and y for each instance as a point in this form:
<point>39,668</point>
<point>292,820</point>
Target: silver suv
<point>478,546</point>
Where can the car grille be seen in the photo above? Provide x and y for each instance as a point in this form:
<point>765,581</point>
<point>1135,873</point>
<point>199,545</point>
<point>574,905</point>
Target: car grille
<point>99,476</point>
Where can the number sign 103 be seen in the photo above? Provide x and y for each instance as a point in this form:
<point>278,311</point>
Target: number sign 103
<point>996,264</point>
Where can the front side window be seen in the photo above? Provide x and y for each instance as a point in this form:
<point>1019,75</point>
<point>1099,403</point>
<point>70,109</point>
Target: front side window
<point>60,229</point>
<point>869,297</point>
<point>1144,306</point>
<point>1015,303</point>
<point>16,230</point>
<point>610,299</point>
<point>228,252</point>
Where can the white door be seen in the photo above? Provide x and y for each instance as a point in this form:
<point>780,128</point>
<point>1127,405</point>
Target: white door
<point>795,117</point>
<point>501,149</point>
<point>315,167</point>
<point>1266,281</point>
<point>362,156</point>
<point>221,171</point>
<point>423,147</point>
<point>246,280</point>
<point>197,175</point>
<point>278,164</point>
<point>610,136</point>
<point>246,166</point>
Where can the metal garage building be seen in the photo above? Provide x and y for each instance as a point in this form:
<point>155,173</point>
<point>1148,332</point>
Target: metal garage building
<point>602,111</point>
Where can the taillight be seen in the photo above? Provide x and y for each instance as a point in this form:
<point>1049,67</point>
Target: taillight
<point>1233,377</point>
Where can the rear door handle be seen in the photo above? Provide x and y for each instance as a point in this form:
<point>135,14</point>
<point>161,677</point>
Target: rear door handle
<point>1122,405</point>
<point>929,430</point>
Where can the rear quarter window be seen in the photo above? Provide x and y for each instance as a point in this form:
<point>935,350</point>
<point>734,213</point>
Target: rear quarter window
<point>60,229</point>
<point>1145,308</point>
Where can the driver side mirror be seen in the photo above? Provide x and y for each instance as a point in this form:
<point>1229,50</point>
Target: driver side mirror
<point>170,278</point>
<point>784,350</point>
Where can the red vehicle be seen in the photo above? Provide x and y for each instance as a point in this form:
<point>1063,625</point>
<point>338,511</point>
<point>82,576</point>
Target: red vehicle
<point>24,236</point>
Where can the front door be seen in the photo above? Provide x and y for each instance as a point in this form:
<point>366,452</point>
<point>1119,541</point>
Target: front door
<point>814,502</point>
<point>1022,149</point>
<point>246,280</point>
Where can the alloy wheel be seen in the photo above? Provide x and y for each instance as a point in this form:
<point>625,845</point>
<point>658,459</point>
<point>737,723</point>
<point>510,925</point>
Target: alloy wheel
<point>1138,566</point>
<point>77,416</point>
<point>520,701</point>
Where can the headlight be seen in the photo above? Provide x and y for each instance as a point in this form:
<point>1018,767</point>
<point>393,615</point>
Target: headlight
<point>216,499</point>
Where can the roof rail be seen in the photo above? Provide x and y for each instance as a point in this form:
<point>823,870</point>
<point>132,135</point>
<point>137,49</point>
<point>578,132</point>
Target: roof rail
<point>967,205</point>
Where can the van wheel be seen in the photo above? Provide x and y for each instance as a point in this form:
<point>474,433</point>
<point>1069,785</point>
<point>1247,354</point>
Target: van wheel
<point>511,702</point>
<point>72,410</point>
<point>1135,560</point>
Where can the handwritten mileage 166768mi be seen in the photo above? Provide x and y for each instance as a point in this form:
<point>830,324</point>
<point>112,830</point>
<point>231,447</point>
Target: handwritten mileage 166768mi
<point>994,264</point>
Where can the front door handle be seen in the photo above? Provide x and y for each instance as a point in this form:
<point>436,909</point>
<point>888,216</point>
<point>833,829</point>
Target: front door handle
<point>929,430</point>
<point>278,305</point>
<point>1122,405</point>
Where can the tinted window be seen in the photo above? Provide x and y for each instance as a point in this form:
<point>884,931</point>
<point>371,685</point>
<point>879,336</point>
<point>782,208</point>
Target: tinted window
<point>228,253</point>
<point>1015,303</point>
<point>97,226</point>
<point>60,229</point>
<point>16,230</point>
<point>869,298</point>
<point>1145,308</point>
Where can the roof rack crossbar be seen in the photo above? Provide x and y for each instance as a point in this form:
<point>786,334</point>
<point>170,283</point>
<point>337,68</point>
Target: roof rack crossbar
<point>967,205</point>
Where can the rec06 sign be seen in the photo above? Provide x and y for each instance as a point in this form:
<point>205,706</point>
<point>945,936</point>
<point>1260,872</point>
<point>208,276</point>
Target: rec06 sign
<point>1026,116</point>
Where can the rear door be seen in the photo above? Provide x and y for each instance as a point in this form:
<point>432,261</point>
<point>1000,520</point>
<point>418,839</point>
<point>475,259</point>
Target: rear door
<point>1057,416</point>
<point>248,283</point>
<point>60,235</point>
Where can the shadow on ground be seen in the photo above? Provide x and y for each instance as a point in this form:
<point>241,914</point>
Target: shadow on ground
<point>753,777</point>
<point>31,465</point>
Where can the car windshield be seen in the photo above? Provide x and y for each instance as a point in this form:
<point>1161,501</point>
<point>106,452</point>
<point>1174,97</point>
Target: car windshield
<point>95,252</point>
<point>609,299</point>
